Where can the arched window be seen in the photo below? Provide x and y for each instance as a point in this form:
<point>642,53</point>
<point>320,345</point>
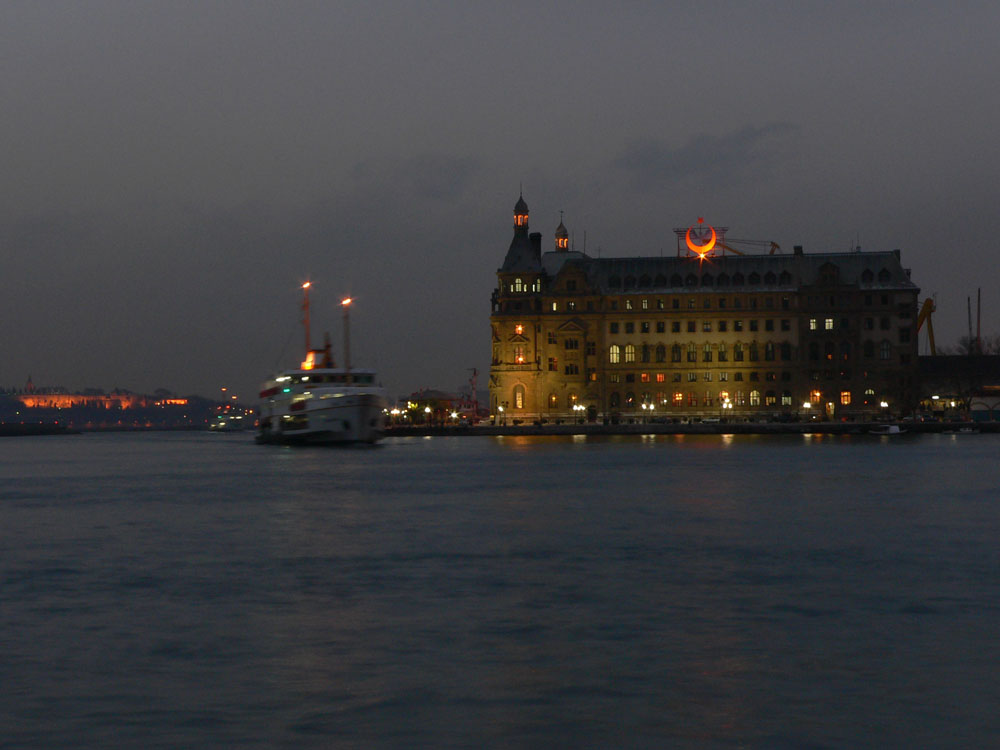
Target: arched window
<point>645,282</point>
<point>614,400</point>
<point>884,350</point>
<point>692,353</point>
<point>518,396</point>
<point>629,353</point>
<point>737,352</point>
<point>884,276</point>
<point>675,353</point>
<point>723,397</point>
<point>553,401</point>
<point>570,400</point>
<point>614,354</point>
<point>644,353</point>
<point>754,279</point>
<point>706,354</point>
<point>770,398</point>
<point>869,396</point>
<point>785,279</point>
<point>518,285</point>
<point>723,280</point>
<point>691,280</point>
<point>630,400</point>
<point>769,351</point>
<point>676,280</point>
<point>707,280</point>
<point>867,276</point>
<point>660,280</point>
<point>737,279</point>
<point>661,353</point>
<point>615,282</point>
<point>754,398</point>
<point>770,278</point>
<point>630,282</point>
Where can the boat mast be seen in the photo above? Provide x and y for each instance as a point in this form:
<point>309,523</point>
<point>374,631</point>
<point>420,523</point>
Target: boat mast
<point>346,304</point>
<point>305,313</point>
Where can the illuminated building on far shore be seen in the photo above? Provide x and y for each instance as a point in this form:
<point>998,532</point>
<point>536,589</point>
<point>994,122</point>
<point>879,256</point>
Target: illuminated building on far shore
<point>711,332</point>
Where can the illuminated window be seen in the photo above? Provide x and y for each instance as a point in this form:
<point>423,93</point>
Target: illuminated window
<point>678,398</point>
<point>708,398</point>
<point>812,324</point>
<point>723,376</point>
<point>723,396</point>
<point>519,285</point>
<point>845,398</point>
<point>869,395</point>
<point>741,399</point>
<point>571,400</point>
<point>645,304</point>
<point>629,353</point>
<point>628,304</point>
<point>815,396</point>
<point>518,396</point>
<point>614,354</point>
<point>660,377</point>
<point>708,377</point>
<point>770,398</point>
<point>786,398</point>
<point>828,324</point>
<point>553,401</point>
<point>555,307</point>
<point>754,398</point>
<point>644,377</point>
<point>519,354</point>
<point>519,329</point>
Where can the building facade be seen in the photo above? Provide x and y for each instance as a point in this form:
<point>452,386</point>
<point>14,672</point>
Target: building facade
<point>706,334</point>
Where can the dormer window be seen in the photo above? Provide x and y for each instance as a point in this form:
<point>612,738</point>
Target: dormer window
<point>519,285</point>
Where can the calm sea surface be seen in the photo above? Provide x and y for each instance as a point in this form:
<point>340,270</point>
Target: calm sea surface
<point>197,590</point>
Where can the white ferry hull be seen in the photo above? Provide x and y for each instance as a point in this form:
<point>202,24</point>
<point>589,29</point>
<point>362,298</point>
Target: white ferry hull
<point>321,414</point>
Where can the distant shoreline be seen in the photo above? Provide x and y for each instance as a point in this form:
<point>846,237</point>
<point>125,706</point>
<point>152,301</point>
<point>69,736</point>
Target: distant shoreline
<point>698,428</point>
<point>16,429</point>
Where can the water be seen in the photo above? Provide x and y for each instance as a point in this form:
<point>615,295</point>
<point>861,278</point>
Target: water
<point>196,590</point>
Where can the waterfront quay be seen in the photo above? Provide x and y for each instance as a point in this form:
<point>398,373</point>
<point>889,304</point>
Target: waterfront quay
<point>689,428</point>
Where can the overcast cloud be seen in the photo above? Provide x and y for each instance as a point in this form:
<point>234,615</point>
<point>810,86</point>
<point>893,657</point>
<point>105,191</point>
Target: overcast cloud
<point>173,171</point>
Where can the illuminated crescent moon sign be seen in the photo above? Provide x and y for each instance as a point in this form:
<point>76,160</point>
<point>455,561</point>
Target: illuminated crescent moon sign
<point>701,250</point>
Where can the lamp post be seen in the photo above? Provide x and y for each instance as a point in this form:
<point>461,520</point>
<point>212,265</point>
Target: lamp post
<point>427,415</point>
<point>346,304</point>
<point>726,405</point>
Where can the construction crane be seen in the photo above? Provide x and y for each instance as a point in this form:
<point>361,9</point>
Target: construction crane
<point>774,246</point>
<point>925,314</point>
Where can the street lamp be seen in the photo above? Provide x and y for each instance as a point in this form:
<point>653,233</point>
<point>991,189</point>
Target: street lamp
<point>427,415</point>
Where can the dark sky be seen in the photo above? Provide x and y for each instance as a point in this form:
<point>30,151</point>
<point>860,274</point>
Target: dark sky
<point>173,171</point>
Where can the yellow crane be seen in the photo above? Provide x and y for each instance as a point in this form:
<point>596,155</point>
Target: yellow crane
<point>774,247</point>
<point>925,314</point>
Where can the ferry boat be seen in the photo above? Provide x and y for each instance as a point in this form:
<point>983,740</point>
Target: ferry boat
<point>320,404</point>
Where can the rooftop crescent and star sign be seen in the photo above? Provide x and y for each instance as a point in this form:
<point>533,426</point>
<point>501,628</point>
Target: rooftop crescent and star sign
<point>699,241</point>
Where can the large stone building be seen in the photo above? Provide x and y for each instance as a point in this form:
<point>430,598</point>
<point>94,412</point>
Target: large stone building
<point>701,334</point>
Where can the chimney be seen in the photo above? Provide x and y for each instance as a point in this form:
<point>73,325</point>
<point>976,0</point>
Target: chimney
<point>536,244</point>
<point>797,250</point>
